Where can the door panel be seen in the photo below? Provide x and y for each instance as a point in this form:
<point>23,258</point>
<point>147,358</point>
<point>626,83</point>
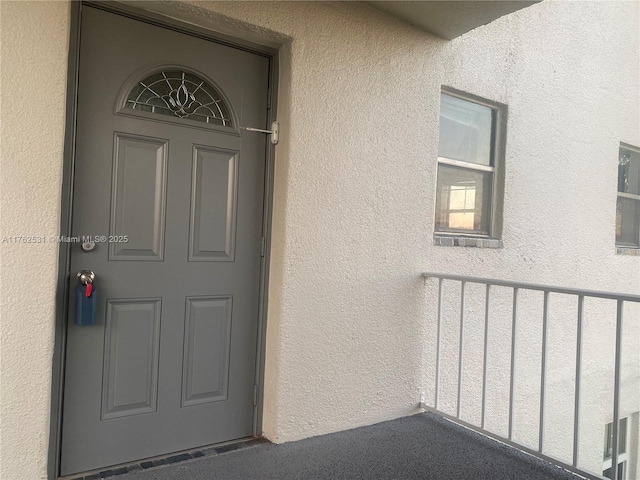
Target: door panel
<point>206,350</point>
<point>139,197</point>
<point>214,206</point>
<point>170,364</point>
<point>131,347</point>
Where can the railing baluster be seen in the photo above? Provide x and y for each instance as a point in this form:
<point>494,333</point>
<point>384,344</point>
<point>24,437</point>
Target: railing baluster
<point>438,343</point>
<point>543,369</point>
<point>616,392</point>
<point>576,408</point>
<point>513,361</point>
<point>485,354</point>
<point>461,347</point>
<point>490,285</point>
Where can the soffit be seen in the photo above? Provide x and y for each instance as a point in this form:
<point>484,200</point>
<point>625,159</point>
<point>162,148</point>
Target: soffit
<point>452,18</point>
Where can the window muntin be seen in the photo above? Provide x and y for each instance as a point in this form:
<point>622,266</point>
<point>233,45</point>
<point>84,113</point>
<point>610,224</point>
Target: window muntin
<point>466,166</point>
<point>628,203</point>
<point>181,94</point>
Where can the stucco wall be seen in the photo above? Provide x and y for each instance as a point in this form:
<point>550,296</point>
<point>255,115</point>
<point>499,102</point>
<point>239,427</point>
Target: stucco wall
<point>360,178</point>
<point>350,328</point>
<point>34,67</point>
<point>355,187</point>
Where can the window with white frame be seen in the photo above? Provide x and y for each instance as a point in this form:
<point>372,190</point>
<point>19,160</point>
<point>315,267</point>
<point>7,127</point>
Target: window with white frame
<point>623,456</point>
<point>628,207</point>
<point>470,157</point>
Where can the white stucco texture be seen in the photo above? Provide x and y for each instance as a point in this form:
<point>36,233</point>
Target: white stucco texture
<point>350,329</point>
<point>355,185</point>
<point>34,68</point>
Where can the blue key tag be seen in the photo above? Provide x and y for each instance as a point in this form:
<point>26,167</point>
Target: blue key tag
<point>85,305</point>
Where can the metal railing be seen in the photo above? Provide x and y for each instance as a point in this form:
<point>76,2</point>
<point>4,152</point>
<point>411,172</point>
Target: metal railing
<point>620,300</point>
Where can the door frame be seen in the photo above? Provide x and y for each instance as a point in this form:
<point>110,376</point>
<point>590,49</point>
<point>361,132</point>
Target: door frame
<point>64,252</point>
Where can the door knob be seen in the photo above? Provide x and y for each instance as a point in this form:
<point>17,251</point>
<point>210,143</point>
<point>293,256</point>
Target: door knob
<point>86,276</point>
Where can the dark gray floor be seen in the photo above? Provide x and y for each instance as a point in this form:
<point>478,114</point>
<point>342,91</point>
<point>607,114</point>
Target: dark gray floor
<point>422,446</point>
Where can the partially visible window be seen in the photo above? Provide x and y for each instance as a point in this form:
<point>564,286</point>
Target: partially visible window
<point>469,158</point>
<point>628,207</point>
<point>623,456</point>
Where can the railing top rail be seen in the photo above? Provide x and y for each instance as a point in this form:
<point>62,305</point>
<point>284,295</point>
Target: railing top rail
<point>532,286</point>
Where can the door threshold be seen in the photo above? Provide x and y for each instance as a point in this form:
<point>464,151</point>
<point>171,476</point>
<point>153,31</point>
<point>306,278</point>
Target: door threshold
<point>168,459</point>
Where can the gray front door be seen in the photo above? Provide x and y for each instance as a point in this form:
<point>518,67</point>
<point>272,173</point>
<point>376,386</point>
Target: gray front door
<point>172,193</point>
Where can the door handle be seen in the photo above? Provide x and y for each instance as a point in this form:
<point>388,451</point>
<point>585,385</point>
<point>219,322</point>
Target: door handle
<point>86,276</point>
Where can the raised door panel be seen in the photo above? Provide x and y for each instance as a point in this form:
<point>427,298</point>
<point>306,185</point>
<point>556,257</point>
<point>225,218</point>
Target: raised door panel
<point>206,349</point>
<point>138,198</point>
<point>213,205</point>
<point>130,377</point>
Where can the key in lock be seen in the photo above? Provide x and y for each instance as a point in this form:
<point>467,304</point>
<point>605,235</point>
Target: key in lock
<point>85,299</point>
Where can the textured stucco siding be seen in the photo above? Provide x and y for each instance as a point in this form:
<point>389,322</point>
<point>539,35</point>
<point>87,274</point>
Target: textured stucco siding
<point>357,177</point>
<point>34,70</point>
<point>351,324</point>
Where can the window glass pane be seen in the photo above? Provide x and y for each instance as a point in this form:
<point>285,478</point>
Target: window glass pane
<point>628,222</point>
<point>622,436</point>
<point>465,130</point>
<point>608,441</point>
<point>621,471</point>
<point>463,202</point>
<point>629,171</point>
<point>181,94</point>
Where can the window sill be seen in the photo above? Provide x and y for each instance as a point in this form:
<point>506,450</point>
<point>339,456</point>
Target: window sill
<point>634,252</point>
<point>460,241</point>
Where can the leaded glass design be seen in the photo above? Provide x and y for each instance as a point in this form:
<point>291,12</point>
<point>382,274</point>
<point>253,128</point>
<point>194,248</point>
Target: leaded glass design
<point>180,94</point>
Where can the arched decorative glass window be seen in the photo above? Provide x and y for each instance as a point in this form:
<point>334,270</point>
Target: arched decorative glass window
<point>181,94</point>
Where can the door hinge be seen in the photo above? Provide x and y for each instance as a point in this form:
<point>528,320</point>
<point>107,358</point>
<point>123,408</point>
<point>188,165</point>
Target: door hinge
<point>255,395</point>
<point>263,246</point>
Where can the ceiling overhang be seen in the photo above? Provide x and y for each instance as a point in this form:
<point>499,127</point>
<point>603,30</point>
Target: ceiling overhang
<point>451,18</point>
